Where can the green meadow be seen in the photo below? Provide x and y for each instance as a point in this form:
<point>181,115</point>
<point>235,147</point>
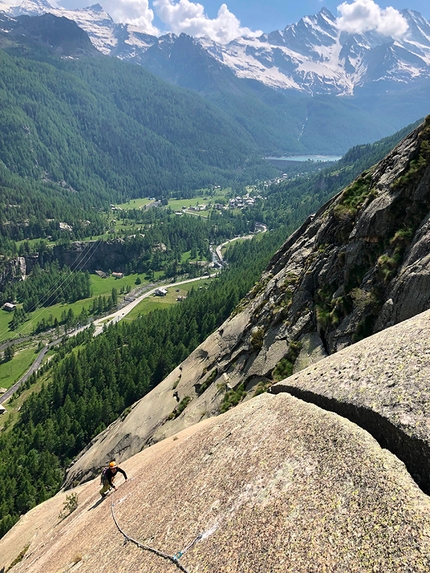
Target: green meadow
<point>203,198</point>
<point>134,204</point>
<point>99,287</point>
<point>11,371</point>
<point>159,302</point>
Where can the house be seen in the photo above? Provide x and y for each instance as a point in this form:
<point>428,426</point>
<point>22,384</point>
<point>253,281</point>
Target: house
<point>9,306</point>
<point>101,274</point>
<point>2,410</point>
<point>160,292</point>
<point>118,275</point>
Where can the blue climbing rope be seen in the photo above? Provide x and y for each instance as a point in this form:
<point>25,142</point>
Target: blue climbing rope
<point>179,554</point>
<point>173,558</point>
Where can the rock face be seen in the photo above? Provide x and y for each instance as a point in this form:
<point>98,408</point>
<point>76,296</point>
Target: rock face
<point>381,384</point>
<point>360,265</point>
<point>12,270</point>
<point>281,484</point>
<point>274,485</point>
<point>90,256</point>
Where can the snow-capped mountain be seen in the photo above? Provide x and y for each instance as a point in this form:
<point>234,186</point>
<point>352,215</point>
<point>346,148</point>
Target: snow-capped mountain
<point>109,37</point>
<point>313,56</point>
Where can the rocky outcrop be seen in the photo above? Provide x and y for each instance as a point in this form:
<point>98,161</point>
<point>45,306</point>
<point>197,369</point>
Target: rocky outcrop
<point>381,384</point>
<point>274,485</point>
<point>12,270</point>
<point>90,255</point>
<point>94,255</point>
<point>357,266</point>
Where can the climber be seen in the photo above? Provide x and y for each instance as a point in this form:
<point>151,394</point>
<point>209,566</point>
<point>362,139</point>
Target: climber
<point>108,477</point>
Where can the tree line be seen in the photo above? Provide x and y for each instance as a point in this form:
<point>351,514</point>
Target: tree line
<point>48,285</point>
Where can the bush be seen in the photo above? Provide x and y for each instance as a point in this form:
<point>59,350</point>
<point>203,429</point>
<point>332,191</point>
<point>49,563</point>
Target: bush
<point>69,506</point>
<point>257,338</point>
<point>232,398</point>
<point>207,382</point>
<point>180,408</point>
<point>284,368</point>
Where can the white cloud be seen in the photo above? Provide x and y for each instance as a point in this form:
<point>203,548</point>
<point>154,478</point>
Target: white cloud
<point>136,12</point>
<point>365,15</point>
<point>190,18</point>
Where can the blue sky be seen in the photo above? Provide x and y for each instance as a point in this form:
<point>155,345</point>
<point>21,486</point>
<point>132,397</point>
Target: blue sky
<point>224,20</point>
<point>272,15</point>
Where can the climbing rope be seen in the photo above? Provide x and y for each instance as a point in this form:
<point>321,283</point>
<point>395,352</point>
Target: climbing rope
<point>173,558</point>
<point>179,554</point>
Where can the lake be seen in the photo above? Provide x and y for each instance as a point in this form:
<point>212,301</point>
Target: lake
<point>302,158</point>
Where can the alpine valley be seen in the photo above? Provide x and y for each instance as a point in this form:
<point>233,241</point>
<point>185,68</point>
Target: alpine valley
<point>289,88</point>
<point>249,345</point>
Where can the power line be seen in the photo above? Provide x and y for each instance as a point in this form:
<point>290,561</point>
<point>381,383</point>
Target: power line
<point>76,267</point>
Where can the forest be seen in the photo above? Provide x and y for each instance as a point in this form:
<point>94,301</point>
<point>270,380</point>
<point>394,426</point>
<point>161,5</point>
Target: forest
<point>75,136</point>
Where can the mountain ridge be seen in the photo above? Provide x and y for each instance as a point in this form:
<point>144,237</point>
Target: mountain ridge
<point>313,55</point>
<point>306,98</point>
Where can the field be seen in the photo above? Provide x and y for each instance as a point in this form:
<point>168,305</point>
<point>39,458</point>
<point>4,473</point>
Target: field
<point>173,293</point>
<point>103,287</point>
<point>99,287</point>
<point>5,318</point>
<point>207,196</point>
<point>11,371</point>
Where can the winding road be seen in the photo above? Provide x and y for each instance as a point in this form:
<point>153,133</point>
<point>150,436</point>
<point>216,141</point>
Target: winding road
<point>99,324</point>
<point>113,318</point>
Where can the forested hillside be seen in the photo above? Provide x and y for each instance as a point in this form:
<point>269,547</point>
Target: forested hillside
<point>110,130</point>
